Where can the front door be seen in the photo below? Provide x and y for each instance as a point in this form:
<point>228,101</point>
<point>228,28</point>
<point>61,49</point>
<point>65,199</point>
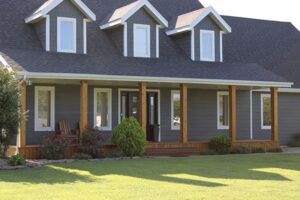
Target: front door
<point>129,108</point>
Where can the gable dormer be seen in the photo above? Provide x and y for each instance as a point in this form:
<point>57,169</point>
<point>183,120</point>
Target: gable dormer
<point>200,34</point>
<point>137,25</point>
<point>62,25</point>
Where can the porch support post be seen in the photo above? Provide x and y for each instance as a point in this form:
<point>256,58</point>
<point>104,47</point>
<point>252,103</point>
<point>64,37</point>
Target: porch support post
<point>83,105</point>
<point>183,113</point>
<point>143,106</point>
<point>232,113</point>
<point>274,113</point>
<point>22,131</point>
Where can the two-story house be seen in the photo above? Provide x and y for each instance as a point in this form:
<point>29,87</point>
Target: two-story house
<point>170,63</point>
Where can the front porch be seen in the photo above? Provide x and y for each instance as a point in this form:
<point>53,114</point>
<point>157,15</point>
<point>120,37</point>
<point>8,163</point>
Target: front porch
<point>187,142</point>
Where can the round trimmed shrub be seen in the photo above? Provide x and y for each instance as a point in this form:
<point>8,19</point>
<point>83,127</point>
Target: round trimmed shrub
<point>220,144</point>
<point>129,137</point>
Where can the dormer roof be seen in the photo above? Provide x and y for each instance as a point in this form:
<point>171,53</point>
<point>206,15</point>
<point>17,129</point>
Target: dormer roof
<point>49,5</point>
<point>187,21</point>
<point>120,15</point>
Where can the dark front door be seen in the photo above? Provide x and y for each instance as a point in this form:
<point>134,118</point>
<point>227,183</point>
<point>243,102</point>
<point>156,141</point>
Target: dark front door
<point>129,108</point>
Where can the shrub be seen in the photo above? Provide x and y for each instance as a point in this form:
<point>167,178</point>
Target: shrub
<point>295,142</point>
<point>16,160</point>
<point>208,152</point>
<point>129,137</point>
<point>241,150</point>
<point>275,150</point>
<point>258,150</point>
<point>53,147</point>
<point>114,153</point>
<point>9,108</point>
<point>91,142</point>
<point>82,156</point>
<point>220,144</point>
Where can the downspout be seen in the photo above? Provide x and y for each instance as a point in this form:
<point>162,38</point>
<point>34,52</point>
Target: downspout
<point>251,114</point>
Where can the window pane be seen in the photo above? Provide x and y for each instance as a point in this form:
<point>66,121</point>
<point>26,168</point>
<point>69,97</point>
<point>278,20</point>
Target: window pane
<point>102,115</point>
<point>140,41</point>
<point>66,35</point>
<point>44,109</point>
<point>207,47</point>
<point>223,110</point>
<point>176,110</point>
<point>266,111</point>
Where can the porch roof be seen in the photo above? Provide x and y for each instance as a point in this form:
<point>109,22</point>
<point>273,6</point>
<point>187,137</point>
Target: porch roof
<point>37,64</point>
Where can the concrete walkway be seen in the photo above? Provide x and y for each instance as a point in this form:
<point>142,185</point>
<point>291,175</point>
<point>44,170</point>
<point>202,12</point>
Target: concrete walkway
<point>291,149</point>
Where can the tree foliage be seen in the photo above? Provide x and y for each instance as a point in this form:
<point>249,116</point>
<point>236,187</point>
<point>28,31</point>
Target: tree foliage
<point>9,108</point>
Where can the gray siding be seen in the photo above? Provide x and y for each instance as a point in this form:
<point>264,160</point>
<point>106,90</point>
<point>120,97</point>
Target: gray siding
<point>207,24</point>
<point>66,107</point>
<point>66,9</point>
<point>116,37</point>
<point>202,114</point>
<point>40,29</point>
<point>141,17</point>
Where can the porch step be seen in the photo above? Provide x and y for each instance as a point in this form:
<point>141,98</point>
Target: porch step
<point>174,152</point>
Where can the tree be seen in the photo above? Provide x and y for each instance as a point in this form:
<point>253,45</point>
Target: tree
<point>9,108</point>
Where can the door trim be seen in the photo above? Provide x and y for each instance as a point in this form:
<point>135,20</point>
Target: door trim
<point>136,90</point>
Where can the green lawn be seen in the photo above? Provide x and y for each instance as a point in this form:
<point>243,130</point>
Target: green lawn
<point>265,176</point>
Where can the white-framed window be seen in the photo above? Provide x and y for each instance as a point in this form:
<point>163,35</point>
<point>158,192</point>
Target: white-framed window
<point>141,40</point>
<point>207,45</point>
<point>44,108</point>
<point>266,119</point>
<point>223,110</point>
<point>175,109</point>
<point>102,109</point>
<point>66,35</point>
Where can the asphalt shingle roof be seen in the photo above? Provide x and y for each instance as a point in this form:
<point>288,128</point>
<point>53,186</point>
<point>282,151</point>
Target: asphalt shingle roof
<point>251,42</point>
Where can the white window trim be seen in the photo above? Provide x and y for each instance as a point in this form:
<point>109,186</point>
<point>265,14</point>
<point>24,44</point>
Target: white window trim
<point>157,40</point>
<point>221,127</point>
<point>172,111</point>
<point>52,111</point>
<point>85,35</point>
<point>47,33</point>
<point>147,27</point>
<point>125,48</point>
<point>109,93</point>
<point>202,58</point>
<point>262,96</point>
<point>193,44</point>
<point>74,21</point>
<point>221,46</point>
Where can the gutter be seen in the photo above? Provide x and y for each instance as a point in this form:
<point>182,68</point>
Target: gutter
<point>72,76</point>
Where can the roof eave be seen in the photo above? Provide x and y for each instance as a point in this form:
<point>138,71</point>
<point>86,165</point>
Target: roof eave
<point>71,76</point>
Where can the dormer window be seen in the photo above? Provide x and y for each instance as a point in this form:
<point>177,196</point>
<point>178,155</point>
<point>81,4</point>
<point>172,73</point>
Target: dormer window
<point>207,45</point>
<point>66,35</point>
<point>141,40</point>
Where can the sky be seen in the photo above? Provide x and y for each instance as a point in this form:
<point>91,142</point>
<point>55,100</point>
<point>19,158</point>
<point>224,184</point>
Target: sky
<point>277,10</point>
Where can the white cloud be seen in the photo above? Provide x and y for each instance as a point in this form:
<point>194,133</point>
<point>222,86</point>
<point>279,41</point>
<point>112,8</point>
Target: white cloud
<point>277,10</point>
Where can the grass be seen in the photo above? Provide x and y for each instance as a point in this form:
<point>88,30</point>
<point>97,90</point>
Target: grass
<point>265,176</point>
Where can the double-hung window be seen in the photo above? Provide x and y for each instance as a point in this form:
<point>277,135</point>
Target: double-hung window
<point>223,110</point>
<point>266,111</point>
<point>175,110</point>
<point>66,35</point>
<point>44,108</point>
<point>141,40</point>
<point>102,109</point>
<point>207,45</point>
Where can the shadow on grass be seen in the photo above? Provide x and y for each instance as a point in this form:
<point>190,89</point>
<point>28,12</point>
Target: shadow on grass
<point>191,171</point>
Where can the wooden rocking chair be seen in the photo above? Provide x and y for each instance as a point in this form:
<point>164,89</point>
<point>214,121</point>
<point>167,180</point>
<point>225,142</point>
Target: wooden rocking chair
<point>72,136</point>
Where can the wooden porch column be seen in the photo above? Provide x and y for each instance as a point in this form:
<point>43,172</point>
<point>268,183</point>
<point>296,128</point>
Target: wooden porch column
<point>274,113</point>
<point>83,105</point>
<point>143,106</point>
<point>183,113</point>
<point>232,113</point>
<point>22,131</point>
